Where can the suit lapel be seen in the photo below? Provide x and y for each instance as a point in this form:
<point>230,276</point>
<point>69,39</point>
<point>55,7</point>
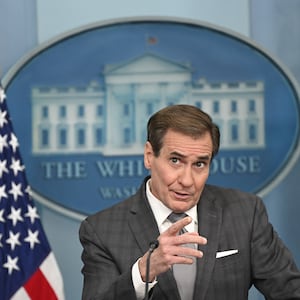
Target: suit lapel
<point>142,224</point>
<point>144,228</point>
<point>209,225</point>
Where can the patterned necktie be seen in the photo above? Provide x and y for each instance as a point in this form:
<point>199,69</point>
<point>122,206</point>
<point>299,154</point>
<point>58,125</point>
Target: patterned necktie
<point>185,275</point>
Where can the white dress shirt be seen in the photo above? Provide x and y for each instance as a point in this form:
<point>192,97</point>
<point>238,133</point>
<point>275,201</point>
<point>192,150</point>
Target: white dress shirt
<point>161,213</point>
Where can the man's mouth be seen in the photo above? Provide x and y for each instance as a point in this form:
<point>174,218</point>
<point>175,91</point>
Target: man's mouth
<point>182,195</point>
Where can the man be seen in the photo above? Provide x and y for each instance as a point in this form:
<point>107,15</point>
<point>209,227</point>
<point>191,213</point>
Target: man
<point>236,246</point>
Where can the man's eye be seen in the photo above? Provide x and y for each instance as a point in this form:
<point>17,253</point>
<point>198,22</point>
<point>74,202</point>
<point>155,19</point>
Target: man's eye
<point>200,164</point>
<point>174,160</point>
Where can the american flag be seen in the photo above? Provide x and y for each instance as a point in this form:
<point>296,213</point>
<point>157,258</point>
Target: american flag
<point>28,268</point>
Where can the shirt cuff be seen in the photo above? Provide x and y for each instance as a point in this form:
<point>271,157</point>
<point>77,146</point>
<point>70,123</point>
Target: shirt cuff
<point>138,283</point>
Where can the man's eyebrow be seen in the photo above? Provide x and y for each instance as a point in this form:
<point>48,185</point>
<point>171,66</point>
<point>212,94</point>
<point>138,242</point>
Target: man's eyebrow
<point>203,157</point>
<point>177,154</point>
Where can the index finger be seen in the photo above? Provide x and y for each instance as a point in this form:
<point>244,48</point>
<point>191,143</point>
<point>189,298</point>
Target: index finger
<point>177,226</point>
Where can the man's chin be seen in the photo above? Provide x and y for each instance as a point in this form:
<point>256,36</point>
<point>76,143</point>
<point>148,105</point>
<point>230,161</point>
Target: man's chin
<point>181,207</point>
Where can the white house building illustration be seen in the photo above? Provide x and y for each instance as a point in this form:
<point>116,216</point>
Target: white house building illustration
<point>111,119</point>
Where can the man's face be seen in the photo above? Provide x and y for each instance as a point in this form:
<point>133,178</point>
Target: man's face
<point>179,173</point>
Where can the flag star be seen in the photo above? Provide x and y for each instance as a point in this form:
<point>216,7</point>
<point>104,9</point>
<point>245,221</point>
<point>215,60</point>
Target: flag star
<point>13,240</point>
<point>28,190</point>
<point>2,95</point>
<point>15,215</point>
<point>16,166</point>
<point>3,118</point>
<point>3,167</point>
<point>32,213</point>
<point>3,142</point>
<point>1,216</point>
<point>1,245</point>
<point>11,264</point>
<point>13,142</point>
<point>16,190</point>
<point>2,192</point>
<point>32,238</point>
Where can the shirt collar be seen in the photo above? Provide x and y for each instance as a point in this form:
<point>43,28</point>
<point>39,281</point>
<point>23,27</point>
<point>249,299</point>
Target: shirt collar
<point>161,211</point>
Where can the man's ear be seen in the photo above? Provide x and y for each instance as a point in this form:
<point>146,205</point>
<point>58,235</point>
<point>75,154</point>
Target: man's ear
<point>148,155</point>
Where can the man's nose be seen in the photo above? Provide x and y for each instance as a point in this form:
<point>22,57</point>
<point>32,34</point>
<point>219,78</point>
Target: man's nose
<point>186,176</point>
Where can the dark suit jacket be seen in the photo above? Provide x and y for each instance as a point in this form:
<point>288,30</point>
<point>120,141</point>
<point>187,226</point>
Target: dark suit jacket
<point>115,238</point>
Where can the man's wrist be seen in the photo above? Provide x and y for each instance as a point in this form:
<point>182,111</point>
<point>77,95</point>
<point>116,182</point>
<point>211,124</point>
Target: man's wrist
<point>138,282</point>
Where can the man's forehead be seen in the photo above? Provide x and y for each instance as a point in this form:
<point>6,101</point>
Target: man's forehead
<point>184,145</point>
<point>174,137</point>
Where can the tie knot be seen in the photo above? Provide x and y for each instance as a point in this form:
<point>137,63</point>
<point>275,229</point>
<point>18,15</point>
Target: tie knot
<point>174,217</point>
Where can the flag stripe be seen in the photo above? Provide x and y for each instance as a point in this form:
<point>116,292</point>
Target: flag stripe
<point>38,287</point>
<point>51,271</point>
<point>21,294</point>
